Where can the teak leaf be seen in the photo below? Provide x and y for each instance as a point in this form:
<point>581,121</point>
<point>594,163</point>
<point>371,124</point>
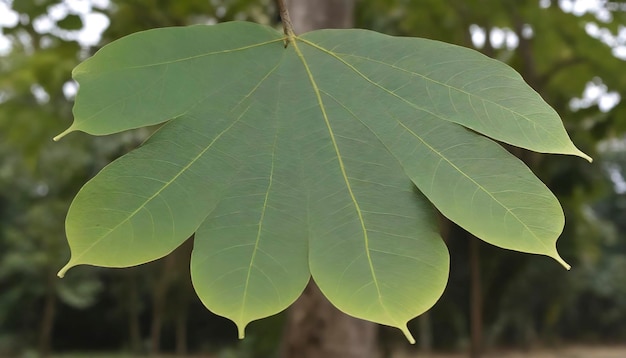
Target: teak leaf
<point>320,159</point>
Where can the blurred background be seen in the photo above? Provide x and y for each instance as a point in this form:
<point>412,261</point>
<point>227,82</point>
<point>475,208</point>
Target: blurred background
<point>571,51</point>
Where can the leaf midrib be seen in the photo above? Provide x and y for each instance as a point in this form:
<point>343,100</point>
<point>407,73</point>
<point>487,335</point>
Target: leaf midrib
<point>338,57</point>
<point>181,171</point>
<point>482,188</point>
<point>345,178</point>
<point>546,131</point>
<point>166,63</point>
<point>79,71</point>
<point>158,192</point>
<point>259,232</point>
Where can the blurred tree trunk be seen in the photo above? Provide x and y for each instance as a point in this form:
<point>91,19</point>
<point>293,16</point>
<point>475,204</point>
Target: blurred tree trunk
<point>47,317</point>
<point>476,298</point>
<point>316,329</point>
<point>181,332</point>
<point>183,292</point>
<point>174,286</point>
<point>425,334</point>
<point>159,296</point>
<point>309,15</point>
<point>134,330</point>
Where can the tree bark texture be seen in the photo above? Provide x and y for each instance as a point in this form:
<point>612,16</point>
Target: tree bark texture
<point>425,333</point>
<point>476,299</point>
<point>309,15</point>
<point>134,326</point>
<point>159,296</point>
<point>47,317</point>
<point>172,287</point>
<point>315,328</point>
<point>181,334</point>
<point>183,292</point>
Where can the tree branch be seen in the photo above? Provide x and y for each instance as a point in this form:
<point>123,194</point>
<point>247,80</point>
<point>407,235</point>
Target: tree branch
<point>286,20</point>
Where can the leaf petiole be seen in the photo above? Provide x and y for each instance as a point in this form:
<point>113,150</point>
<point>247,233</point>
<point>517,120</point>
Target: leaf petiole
<point>286,20</point>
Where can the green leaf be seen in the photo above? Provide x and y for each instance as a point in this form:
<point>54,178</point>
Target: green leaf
<point>319,159</point>
<point>151,90</point>
<point>250,254</point>
<point>375,250</point>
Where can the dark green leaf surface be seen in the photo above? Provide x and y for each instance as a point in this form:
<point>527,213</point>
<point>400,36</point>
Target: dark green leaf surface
<point>320,159</point>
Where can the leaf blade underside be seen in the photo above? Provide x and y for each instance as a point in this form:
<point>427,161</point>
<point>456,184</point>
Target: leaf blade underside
<point>421,142</point>
<point>382,232</point>
<point>304,161</point>
<point>158,83</point>
<point>451,83</point>
<point>250,254</point>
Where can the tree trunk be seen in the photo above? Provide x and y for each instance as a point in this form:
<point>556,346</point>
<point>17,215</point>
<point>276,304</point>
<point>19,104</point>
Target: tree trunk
<point>181,334</point>
<point>134,329</point>
<point>158,304</point>
<point>308,15</point>
<point>182,296</point>
<point>47,318</point>
<point>476,299</point>
<point>425,337</point>
<point>314,327</point>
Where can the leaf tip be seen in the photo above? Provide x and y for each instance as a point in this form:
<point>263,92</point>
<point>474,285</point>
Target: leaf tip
<point>241,329</point>
<point>63,134</point>
<point>586,157</point>
<point>560,260</point>
<point>62,271</point>
<point>581,154</point>
<point>407,334</point>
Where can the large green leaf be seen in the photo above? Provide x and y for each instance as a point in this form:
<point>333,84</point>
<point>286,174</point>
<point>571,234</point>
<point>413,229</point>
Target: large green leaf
<point>319,159</point>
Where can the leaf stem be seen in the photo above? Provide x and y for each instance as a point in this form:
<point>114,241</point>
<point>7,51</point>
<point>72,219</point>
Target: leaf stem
<point>286,20</point>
